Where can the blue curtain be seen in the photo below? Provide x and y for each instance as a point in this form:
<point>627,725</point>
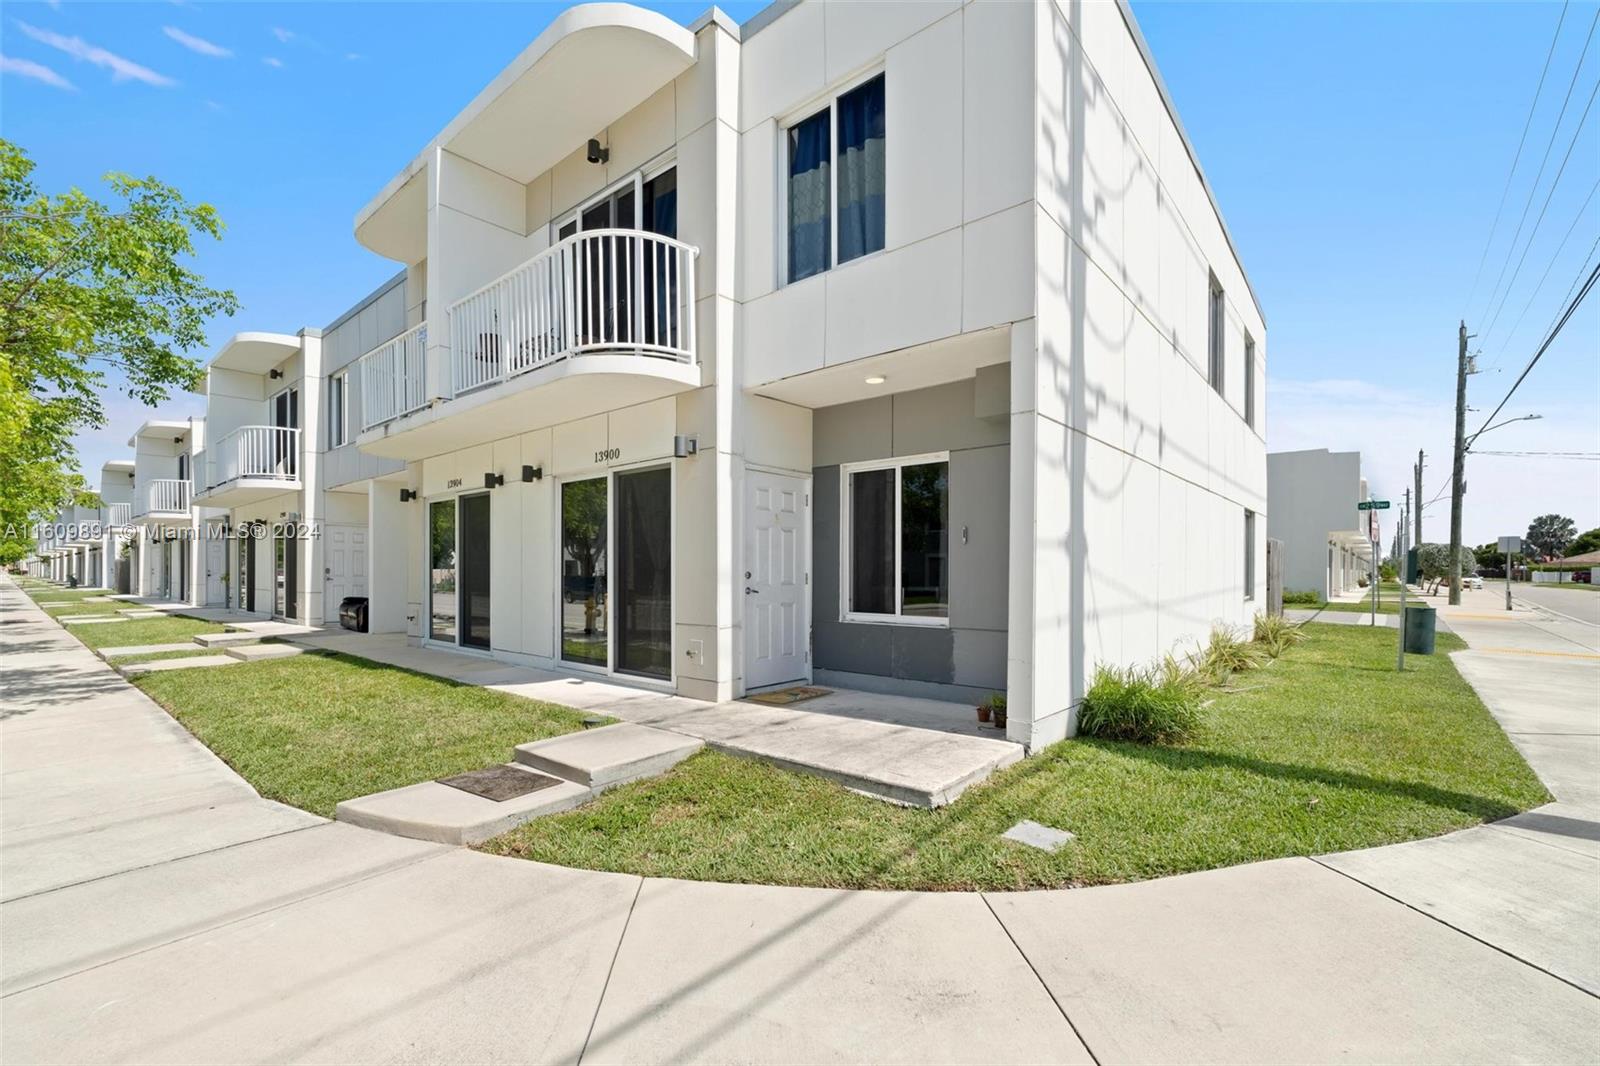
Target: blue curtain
<point>861,170</point>
<point>810,223</point>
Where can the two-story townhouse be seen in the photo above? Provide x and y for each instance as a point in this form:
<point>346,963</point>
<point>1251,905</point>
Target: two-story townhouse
<point>1329,544</point>
<point>891,346</point>
<point>288,489</point>
<point>165,562</point>
<point>116,523</point>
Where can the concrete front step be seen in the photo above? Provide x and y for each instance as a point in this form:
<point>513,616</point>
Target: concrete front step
<point>190,662</point>
<point>140,612</point>
<point>224,640</point>
<point>611,755</point>
<point>447,815</point>
<point>90,619</point>
<point>251,653</point>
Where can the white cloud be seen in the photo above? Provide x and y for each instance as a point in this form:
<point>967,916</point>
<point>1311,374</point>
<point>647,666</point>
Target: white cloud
<point>272,61</point>
<point>121,69</point>
<point>284,36</point>
<point>352,56</point>
<point>197,44</point>
<point>27,68</point>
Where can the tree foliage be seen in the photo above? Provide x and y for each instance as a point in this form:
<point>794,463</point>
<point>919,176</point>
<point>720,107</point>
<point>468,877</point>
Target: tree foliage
<point>88,288</point>
<point>1434,561</point>
<point>1584,543</point>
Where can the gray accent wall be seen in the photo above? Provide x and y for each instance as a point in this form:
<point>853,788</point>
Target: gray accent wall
<point>971,651</point>
<point>376,319</point>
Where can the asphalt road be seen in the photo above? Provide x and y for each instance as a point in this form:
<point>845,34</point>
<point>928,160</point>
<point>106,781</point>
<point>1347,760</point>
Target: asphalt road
<point>1581,604</point>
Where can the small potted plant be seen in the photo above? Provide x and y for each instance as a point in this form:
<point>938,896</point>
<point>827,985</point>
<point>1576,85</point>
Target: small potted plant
<point>983,711</point>
<point>993,709</point>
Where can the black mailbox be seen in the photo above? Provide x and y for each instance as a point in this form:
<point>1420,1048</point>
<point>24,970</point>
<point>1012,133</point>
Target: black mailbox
<point>353,613</point>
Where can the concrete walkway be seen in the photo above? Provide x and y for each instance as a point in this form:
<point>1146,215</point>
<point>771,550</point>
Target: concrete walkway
<point>156,910</point>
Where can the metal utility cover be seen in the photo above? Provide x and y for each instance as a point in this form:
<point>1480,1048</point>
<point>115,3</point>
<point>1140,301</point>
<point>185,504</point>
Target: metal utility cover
<point>500,783</point>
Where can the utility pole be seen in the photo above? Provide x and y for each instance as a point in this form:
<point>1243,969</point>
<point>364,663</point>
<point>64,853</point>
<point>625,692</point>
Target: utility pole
<point>1417,535</point>
<point>1458,467</point>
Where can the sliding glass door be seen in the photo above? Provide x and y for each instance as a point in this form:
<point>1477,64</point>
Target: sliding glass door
<point>628,630</point>
<point>458,570</point>
<point>473,549</point>
<point>442,570</point>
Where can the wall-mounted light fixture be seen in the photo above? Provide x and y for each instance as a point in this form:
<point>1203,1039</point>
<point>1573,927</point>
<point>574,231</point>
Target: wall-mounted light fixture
<point>533,473</point>
<point>597,152</point>
<point>407,495</point>
<point>274,373</point>
<point>683,447</point>
<point>177,440</point>
<point>492,480</point>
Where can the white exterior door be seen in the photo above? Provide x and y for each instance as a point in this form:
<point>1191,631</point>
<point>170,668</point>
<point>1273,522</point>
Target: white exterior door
<point>344,552</point>
<point>777,593</point>
<point>216,563</point>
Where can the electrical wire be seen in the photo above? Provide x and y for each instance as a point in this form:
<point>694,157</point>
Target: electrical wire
<point>1537,289</point>
<point>1517,158</point>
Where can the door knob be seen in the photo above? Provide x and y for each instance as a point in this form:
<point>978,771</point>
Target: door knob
<point>748,591</point>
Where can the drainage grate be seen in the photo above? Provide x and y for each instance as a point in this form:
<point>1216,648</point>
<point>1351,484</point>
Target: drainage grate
<point>500,783</point>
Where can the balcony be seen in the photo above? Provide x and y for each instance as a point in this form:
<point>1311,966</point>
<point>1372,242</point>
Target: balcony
<point>601,320</point>
<point>118,515</point>
<point>162,500</point>
<point>248,465</point>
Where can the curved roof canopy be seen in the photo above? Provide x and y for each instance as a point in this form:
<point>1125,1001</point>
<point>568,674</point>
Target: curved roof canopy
<point>591,66</point>
<point>255,353</point>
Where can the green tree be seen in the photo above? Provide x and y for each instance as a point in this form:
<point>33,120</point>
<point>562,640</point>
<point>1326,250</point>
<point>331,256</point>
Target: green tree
<point>1434,561</point>
<point>1551,533</point>
<point>88,287</point>
<point>1584,543</point>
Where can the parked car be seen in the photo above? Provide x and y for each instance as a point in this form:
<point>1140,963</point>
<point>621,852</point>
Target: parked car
<point>1473,582</point>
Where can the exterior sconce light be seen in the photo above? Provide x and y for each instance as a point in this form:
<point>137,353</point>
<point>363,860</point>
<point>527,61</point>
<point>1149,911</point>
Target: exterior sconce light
<point>407,495</point>
<point>274,373</point>
<point>491,480</point>
<point>683,447</point>
<point>597,153</point>
<point>533,473</point>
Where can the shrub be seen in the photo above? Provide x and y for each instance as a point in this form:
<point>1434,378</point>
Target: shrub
<point>1305,596</point>
<point>1276,634</point>
<point>1224,653</point>
<point>1140,704</point>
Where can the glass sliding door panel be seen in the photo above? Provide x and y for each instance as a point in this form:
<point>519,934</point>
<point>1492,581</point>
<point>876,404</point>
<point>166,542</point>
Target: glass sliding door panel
<point>474,570</point>
<point>643,606</point>
<point>872,578</point>
<point>442,570</point>
<point>925,540</point>
<point>584,533</point>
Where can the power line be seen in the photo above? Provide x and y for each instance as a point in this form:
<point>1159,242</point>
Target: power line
<point>1545,206</point>
<point>1555,331</point>
<point>1526,125</point>
<point>1534,188</point>
<point>1537,289</point>
<point>1593,456</point>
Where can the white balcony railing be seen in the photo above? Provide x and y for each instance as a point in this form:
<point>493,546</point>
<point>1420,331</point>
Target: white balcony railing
<point>270,453</point>
<point>393,378</point>
<point>602,290</point>
<point>118,514</point>
<point>164,496</point>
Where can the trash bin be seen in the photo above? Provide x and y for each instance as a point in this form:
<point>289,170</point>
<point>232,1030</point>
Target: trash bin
<point>353,615</point>
<point>1419,623</point>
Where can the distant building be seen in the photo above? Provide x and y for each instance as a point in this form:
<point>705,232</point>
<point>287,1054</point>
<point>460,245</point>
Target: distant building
<point>1328,543</point>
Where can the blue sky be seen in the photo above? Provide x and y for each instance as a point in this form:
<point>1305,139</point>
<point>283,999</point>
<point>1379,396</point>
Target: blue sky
<point>1358,151</point>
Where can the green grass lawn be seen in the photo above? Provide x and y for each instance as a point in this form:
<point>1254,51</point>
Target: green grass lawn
<point>320,728</point>
<point>1388,602</point>
<point>1326,749</point>
<point>157,656</point>
<point>142,631</point>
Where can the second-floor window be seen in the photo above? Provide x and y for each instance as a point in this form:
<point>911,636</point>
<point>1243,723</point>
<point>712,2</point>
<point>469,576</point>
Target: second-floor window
<point>339,410</point>
<point>1215,323</point>
<point>1249,381</point>
<point>834,182</point>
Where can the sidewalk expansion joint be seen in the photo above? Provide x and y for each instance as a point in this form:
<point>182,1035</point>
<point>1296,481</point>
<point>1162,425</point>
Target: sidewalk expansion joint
<point>604,988</point>
<point>1040,978</point>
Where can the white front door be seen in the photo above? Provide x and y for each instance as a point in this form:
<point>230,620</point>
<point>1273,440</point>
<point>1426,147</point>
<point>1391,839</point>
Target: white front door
<point>216,563</point>
<point>345,554</point>
<point>777,593</point>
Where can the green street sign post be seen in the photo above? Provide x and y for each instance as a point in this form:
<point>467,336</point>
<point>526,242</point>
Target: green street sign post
<point>1373,505</point>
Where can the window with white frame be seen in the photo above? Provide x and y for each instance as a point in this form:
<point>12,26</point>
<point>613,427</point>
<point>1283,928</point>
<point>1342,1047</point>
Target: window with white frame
<point>1249,381</point>
<point>1215,322</point>
<point>1249,555</point>
<point>339,409</point>
<point>834,181</point>
<point>895,540</point>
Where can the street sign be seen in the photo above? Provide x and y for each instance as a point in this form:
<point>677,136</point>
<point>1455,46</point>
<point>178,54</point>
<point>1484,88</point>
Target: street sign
<point>1510,545</point>
<point>1373,505</point>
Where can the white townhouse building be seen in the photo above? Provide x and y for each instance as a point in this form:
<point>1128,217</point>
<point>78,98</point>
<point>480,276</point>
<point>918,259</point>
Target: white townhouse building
<point>116,522</point>
<point>1328,543</point>
<point>287,489</point>
<point>889,346</point>
<point>166,559</point>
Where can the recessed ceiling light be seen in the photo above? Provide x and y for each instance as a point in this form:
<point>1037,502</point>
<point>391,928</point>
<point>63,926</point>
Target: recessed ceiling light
<point>876,379</point>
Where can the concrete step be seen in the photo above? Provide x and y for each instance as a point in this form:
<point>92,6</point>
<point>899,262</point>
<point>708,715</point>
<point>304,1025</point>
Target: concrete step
<point>188,662</point>
<point>90,619</point>
<point>608,756</point>
<point>251,653</point>
<point>140,612</point>
<point>142,649</point>
<point>224,640</point>
<point>447,815</point>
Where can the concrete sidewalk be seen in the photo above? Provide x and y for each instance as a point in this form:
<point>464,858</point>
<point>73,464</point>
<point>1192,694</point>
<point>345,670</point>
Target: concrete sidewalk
<point>156,910</point>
